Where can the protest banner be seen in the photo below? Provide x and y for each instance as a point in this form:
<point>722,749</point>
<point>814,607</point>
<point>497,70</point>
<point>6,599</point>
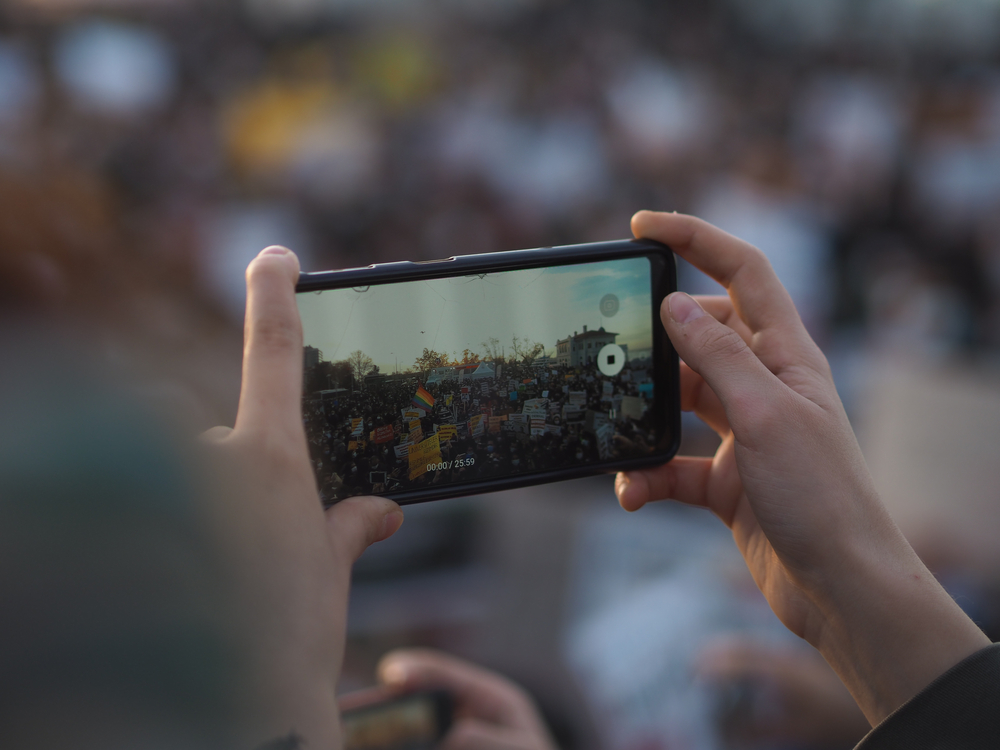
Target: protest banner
<point>416,431</point>
<point>447,432</point>
<point>402,451</point>
<point>633,407</point>
<point>410,413</point>
<point>495,423</point>
<point>357,427</point>
<point>423,454</point>
<point>477,425</point>
<point>383,434</point>
<point>605,435</point>
<point>537,426</point>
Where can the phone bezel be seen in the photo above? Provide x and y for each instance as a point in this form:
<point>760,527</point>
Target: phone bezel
<point>666,389</point>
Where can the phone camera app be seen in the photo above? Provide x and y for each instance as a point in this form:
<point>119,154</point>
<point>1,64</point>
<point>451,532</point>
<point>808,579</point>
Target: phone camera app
<point>611,360</point>
<point>609,305</point>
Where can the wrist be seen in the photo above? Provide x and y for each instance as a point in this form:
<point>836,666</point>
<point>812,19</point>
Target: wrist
<point>885,624</point>
<point>285,703</point>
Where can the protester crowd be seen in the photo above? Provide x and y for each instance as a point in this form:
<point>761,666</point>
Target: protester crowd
<point>527,418</point>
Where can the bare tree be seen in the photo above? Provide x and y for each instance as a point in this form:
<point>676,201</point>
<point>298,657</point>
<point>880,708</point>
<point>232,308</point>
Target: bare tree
<point>492,351</point>
<point>361,364</point>
<point>526,351</point>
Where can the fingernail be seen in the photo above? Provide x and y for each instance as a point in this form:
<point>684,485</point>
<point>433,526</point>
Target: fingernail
<point>393,673</point>
<point>683,309</point>
<point>275,250</point>
<point>621,483</point>
<point>391,524</point>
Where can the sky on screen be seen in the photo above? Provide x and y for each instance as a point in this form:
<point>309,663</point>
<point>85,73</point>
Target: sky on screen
<point>394,322</point>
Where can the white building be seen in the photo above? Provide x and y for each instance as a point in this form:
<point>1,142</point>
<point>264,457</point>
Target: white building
<point>582,348</point>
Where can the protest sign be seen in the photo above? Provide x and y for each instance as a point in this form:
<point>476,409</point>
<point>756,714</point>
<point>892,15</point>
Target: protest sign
<point>495,423</point>
<point>447,432</point>
<point>477,425</point>
<point>357,427</point>
<point>605,435</point>
<point>578,398</point>
<point>383,434</point>
<point>633,407</point>
<point>427,452</point>
<point>402,451</point>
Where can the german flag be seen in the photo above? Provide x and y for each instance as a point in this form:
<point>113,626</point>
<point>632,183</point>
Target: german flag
<point>422,399</point>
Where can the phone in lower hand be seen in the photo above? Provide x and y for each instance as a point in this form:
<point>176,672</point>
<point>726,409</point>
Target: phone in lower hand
<point>486,372</point>
<point>371,720</point>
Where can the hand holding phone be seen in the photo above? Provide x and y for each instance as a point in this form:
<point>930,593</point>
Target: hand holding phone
<point>489,710</point>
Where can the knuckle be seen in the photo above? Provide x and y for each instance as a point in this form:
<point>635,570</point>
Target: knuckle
<point>282,334</point>
<point>720,342</point>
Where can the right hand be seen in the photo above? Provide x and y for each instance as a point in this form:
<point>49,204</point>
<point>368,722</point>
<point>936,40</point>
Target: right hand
<point>790,481</point>
<point>491,712</point>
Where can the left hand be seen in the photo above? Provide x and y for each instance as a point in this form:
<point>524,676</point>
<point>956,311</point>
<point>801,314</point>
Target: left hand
<point>291,559</point>
<point>491,712</point>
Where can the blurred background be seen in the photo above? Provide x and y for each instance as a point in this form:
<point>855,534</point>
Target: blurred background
<point>150,148</point>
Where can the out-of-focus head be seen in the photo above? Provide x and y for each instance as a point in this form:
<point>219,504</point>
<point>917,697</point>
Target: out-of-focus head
<point>116,627</point>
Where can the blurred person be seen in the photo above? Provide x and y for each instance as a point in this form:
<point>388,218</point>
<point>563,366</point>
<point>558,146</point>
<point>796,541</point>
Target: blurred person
<point>159,593</point>
<point>65,259</point>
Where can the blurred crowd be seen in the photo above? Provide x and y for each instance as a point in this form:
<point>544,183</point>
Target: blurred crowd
<point>859,144</point>
<point>150,148</point>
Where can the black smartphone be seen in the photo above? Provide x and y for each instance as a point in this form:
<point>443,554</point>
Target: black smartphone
<point>486,372</point>
<point>415,721</point>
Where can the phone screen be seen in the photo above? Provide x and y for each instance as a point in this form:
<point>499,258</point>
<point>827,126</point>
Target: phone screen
<point>466,379</point>
<point>411,722</point>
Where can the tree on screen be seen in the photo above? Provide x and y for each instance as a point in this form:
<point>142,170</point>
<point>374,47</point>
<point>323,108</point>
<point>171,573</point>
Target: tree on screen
<point>431,359</point>
<point>468,358</point>
<point>361,364</point>
<point>492,350</point>
<point>526,351</point>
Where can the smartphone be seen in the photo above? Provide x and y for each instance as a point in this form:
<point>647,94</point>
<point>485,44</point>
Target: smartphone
<point>487,372</point>
<point>416,721</point>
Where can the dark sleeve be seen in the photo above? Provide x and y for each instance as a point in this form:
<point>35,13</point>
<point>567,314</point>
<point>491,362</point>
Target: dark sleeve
<point>960,709</point>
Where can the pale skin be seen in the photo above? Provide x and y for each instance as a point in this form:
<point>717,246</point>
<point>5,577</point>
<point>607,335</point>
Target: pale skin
<point>291,558</point>
<point>790,481</point>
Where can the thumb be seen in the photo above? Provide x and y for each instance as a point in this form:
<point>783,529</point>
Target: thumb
<point>717,353</point>
<point>357,523</point>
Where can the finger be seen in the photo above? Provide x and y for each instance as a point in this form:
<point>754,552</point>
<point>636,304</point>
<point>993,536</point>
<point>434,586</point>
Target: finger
<point>748,390</point>
<point>357,523</point>
<point>721,308</point>
<point>712,483</point>
<point>697,397</point>
<point>746,273</point>
<point>479,692</point>
<point>216,434</point>
<point>272,360</point>
<point>472,734</point>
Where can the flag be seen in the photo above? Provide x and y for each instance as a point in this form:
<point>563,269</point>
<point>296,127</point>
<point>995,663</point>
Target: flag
<point>422,399</point>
